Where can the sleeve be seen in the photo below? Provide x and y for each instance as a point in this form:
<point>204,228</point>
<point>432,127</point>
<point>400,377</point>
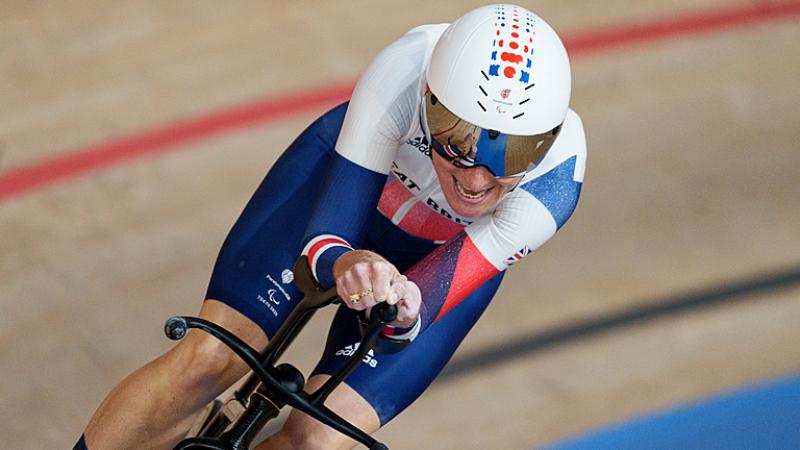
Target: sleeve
<point>524,220</point>
<point>378,116</point>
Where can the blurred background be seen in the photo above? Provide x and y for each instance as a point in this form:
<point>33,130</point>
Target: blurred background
<point>132,134</point>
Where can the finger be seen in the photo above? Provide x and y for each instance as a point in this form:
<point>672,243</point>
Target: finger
<point>351,292</point>
<point>382,275</point>
<point>397,292</point>
<point>367,300</point>
<point>399,278</point>
<point>402,310</point>
<point>409,305</point>
<point>348,285</point>
<point>342,288</point>
<point>405,313</point>
<point>364,288</point>
<point>354,302</point>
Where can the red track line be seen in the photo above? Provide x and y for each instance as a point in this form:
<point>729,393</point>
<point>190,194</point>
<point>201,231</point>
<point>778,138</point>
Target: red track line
<point>78,162</point>
<point>698,22</point>
<point>161,140</point>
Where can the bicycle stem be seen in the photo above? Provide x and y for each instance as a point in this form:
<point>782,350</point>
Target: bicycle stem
<point>313,299</point>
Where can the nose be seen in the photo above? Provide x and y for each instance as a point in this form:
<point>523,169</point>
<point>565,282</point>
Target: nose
<point>476,178</point>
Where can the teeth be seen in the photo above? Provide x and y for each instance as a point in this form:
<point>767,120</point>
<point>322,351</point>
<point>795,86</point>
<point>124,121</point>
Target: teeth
<point>466,194</point>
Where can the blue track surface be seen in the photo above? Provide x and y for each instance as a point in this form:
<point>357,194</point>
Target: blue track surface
<point>765,416</point>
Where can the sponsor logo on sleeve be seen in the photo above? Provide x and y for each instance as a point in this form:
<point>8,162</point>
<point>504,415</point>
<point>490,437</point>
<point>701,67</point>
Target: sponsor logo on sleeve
<point>369,358</point>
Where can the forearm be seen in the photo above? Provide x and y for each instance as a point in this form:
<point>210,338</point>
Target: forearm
<point>347,198</point>
<point>448,275</point>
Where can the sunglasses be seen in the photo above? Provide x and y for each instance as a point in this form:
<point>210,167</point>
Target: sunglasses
<point>467,145</point>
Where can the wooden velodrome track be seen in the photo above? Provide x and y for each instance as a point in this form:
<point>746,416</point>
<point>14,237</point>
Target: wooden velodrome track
<point>692,193</point>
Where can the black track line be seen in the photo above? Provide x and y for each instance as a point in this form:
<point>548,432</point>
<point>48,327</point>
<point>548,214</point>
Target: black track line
<point>724,293</point>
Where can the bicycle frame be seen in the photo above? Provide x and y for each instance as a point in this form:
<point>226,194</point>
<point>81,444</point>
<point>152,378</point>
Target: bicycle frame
<point>269,388</point>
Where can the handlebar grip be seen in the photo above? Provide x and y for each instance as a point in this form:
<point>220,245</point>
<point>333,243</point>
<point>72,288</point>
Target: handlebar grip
<point>385,312</point>
<point>175,328</point>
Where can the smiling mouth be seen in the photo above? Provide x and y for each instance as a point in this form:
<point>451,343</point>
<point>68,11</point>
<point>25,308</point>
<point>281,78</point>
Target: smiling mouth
<point>469,195</point>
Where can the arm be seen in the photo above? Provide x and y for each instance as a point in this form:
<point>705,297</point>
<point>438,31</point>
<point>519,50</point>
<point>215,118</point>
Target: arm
<point>380,113</point>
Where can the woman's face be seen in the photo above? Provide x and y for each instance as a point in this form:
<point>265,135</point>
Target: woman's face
<point>470,191</point>
<point>473,191</point>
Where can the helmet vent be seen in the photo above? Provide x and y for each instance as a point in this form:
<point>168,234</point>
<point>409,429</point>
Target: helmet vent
<point>482,107</point>
<point>484,75</point>
<point>482,90</point>
<point>530,86</point>
<point>525,101</point>
<point>518,115</point>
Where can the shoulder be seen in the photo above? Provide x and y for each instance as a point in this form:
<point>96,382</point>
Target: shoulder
<point>385,103</point>
<point>413,46</point>
<point>401,64</point>
<point>572,139</point>
<point>569,146</point>
<point>556,182</point>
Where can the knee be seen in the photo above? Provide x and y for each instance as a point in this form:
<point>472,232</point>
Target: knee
<point>201,361</point>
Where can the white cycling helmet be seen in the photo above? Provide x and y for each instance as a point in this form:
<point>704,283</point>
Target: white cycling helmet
<point>498,73</point>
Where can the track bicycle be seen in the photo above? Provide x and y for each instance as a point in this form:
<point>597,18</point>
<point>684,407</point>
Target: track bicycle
<point>234,424</point>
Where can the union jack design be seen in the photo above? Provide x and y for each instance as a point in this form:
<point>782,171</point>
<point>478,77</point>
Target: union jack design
<point>517,256</point>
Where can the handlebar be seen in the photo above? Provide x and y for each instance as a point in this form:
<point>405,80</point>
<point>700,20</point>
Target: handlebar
<point>176,328</point>
<point>284,381</point>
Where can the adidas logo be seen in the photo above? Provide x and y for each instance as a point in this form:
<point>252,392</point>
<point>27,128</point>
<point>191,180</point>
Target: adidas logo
<point>369,358</point>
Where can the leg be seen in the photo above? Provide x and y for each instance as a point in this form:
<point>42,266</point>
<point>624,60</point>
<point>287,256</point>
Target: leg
<point>155,405</point>
<point>383,384</point>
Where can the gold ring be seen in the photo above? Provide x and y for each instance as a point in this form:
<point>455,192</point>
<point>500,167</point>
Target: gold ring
<point>356,297</point>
